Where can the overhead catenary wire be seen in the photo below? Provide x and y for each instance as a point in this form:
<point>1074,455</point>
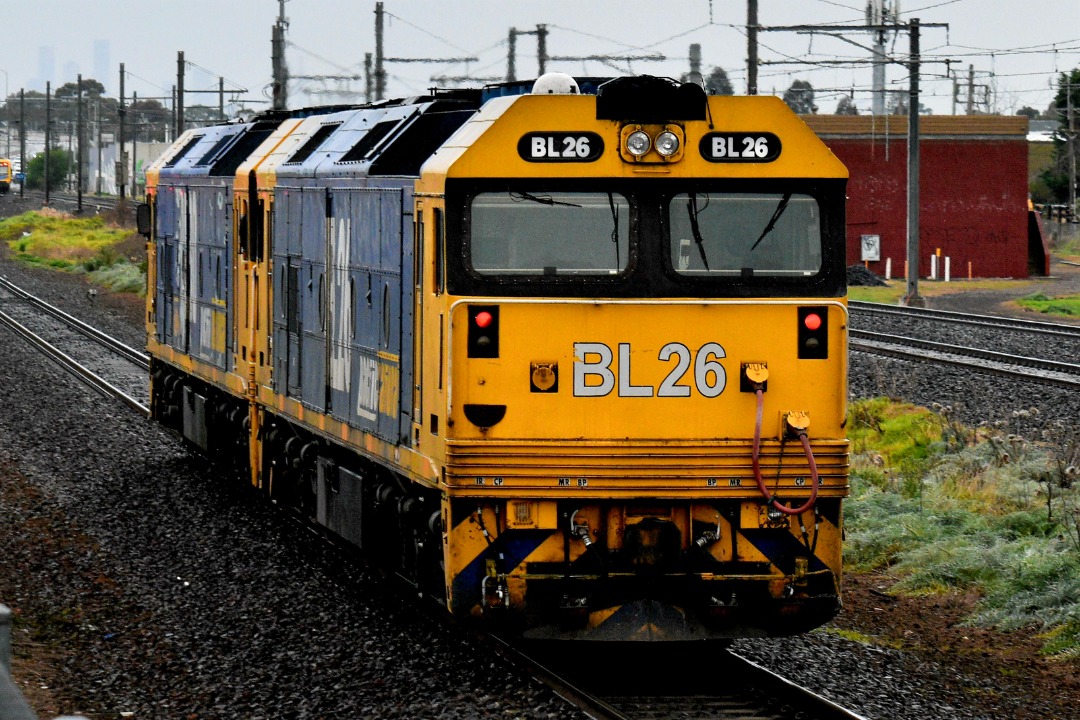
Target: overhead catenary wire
<point>820,61</point>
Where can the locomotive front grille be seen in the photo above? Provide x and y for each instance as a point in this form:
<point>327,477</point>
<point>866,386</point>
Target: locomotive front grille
<point>722,466</point>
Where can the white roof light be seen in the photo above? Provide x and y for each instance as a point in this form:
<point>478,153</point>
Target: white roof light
<point>555,83</point>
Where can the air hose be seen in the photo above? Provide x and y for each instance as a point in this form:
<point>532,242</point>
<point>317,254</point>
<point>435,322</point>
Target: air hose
<point>769,498</point>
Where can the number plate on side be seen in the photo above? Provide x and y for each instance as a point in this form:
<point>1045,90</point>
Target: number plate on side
<point>740,147</point>
<point>560,147</point>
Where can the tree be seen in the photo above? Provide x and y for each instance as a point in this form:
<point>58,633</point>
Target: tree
<point>60,164</point>
<point>717,83</point>
<point>148,120</point>
<point>1068,93</point>
<point>897,103</point>
<point>800,97</point>
<point>1029,112</point>
<point>846,106</point>
<point>90,88</point>
<point>64,110</point>
<point>34,107</point>
<point>201,115</point>
<point>1056,176</point>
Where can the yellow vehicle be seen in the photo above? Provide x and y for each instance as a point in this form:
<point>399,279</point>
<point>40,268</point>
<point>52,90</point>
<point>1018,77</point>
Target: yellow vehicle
<point>5,175</point>
<point>572,361</point>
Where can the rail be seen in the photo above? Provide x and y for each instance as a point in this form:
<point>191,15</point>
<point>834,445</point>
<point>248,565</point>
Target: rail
<point>1047,372</point>
<point>69,363</point>
<point>70,201</point>
<point>997,322</point>
<point>662,681</point>
<point>582,676</point>
<point>139,358</point>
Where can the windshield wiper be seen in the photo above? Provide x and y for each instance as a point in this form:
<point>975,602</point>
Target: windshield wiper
<point>695,229</point>
<point>772,221</point>
<point>541,199</point>
<point>614,228</point>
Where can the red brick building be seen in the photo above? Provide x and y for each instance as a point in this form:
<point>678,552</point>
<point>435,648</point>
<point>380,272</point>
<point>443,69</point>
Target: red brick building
<point>974,191</point>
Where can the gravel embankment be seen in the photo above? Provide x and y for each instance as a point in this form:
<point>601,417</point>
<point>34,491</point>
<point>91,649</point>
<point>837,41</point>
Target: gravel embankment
<point>974,398</point>
<point>185,597</point>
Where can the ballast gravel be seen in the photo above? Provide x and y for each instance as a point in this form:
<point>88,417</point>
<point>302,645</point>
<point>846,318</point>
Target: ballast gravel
<point>179,594</point>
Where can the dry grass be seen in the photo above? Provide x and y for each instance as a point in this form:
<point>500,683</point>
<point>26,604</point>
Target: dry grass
<point>896,289</point>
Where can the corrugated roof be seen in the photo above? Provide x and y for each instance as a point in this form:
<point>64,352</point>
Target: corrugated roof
<point>929,125</point>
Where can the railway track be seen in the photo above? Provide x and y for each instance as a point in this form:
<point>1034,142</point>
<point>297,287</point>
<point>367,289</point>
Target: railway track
<point>1047,372</point>
<point>724,686</point>
<point>695,681</point>
<point>995,322</point>
<point>112,368</point>
<point>1015,336</point>
<point>69,201</point>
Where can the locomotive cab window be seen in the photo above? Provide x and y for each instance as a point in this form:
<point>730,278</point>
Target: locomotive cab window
<point>696,237</point>
<point>745,234</point>
<point>549,233</point>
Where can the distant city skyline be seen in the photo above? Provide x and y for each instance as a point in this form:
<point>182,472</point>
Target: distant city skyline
<point>46,69</point>
<point>102,63</point>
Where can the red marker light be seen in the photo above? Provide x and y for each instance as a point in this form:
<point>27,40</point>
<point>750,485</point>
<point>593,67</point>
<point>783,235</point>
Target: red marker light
<point>812,321</point>
<point>483,319</point>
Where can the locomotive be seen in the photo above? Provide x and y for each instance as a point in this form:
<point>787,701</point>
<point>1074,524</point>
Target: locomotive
<point>5,175</point>
<point>570,357</point>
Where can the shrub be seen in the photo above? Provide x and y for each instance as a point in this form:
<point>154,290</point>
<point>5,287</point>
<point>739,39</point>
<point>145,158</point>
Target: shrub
<point>89,245</point>
<point>986,512</point>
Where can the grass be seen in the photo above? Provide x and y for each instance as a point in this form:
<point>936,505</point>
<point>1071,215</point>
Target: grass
<point>109,253</point>
<point>864,639</point>
<point>954,509</point>
<point>1066,244</point>
<point>897,288</point>
<point>1069,250</point>
<point>1067,305</point>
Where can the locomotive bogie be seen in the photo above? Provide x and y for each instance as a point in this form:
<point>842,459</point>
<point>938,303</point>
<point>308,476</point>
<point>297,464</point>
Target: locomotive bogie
<point>720,569</point>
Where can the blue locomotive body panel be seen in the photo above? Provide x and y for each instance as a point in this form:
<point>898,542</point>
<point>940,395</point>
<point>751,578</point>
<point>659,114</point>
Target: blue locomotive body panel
<point>343,258</point>
<point>194,230</point>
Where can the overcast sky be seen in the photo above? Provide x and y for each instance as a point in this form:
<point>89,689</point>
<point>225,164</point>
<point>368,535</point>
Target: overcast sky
<point>1016,46</point>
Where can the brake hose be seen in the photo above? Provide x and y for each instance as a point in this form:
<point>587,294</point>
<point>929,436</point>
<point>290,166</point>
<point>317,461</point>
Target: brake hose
<point>769,498</point>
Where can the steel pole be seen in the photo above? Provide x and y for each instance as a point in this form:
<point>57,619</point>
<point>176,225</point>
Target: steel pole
<point>7,115</point>
<point>79,146</point>
<point>48,134</point>
<point>22,141</point>
<point>121,166</point>
<point>751,47</point>
<point>912,297</point>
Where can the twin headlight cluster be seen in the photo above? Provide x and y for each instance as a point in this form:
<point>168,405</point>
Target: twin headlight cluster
<point>638,143</point>
<point>652,143</point>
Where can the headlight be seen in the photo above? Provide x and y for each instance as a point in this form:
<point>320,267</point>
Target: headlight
<point>667,143</point>
<point>638,143</point>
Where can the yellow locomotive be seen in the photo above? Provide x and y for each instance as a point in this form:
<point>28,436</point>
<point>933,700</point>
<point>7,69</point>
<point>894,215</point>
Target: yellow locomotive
<point>5,175</point>
<point>572,360</point>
